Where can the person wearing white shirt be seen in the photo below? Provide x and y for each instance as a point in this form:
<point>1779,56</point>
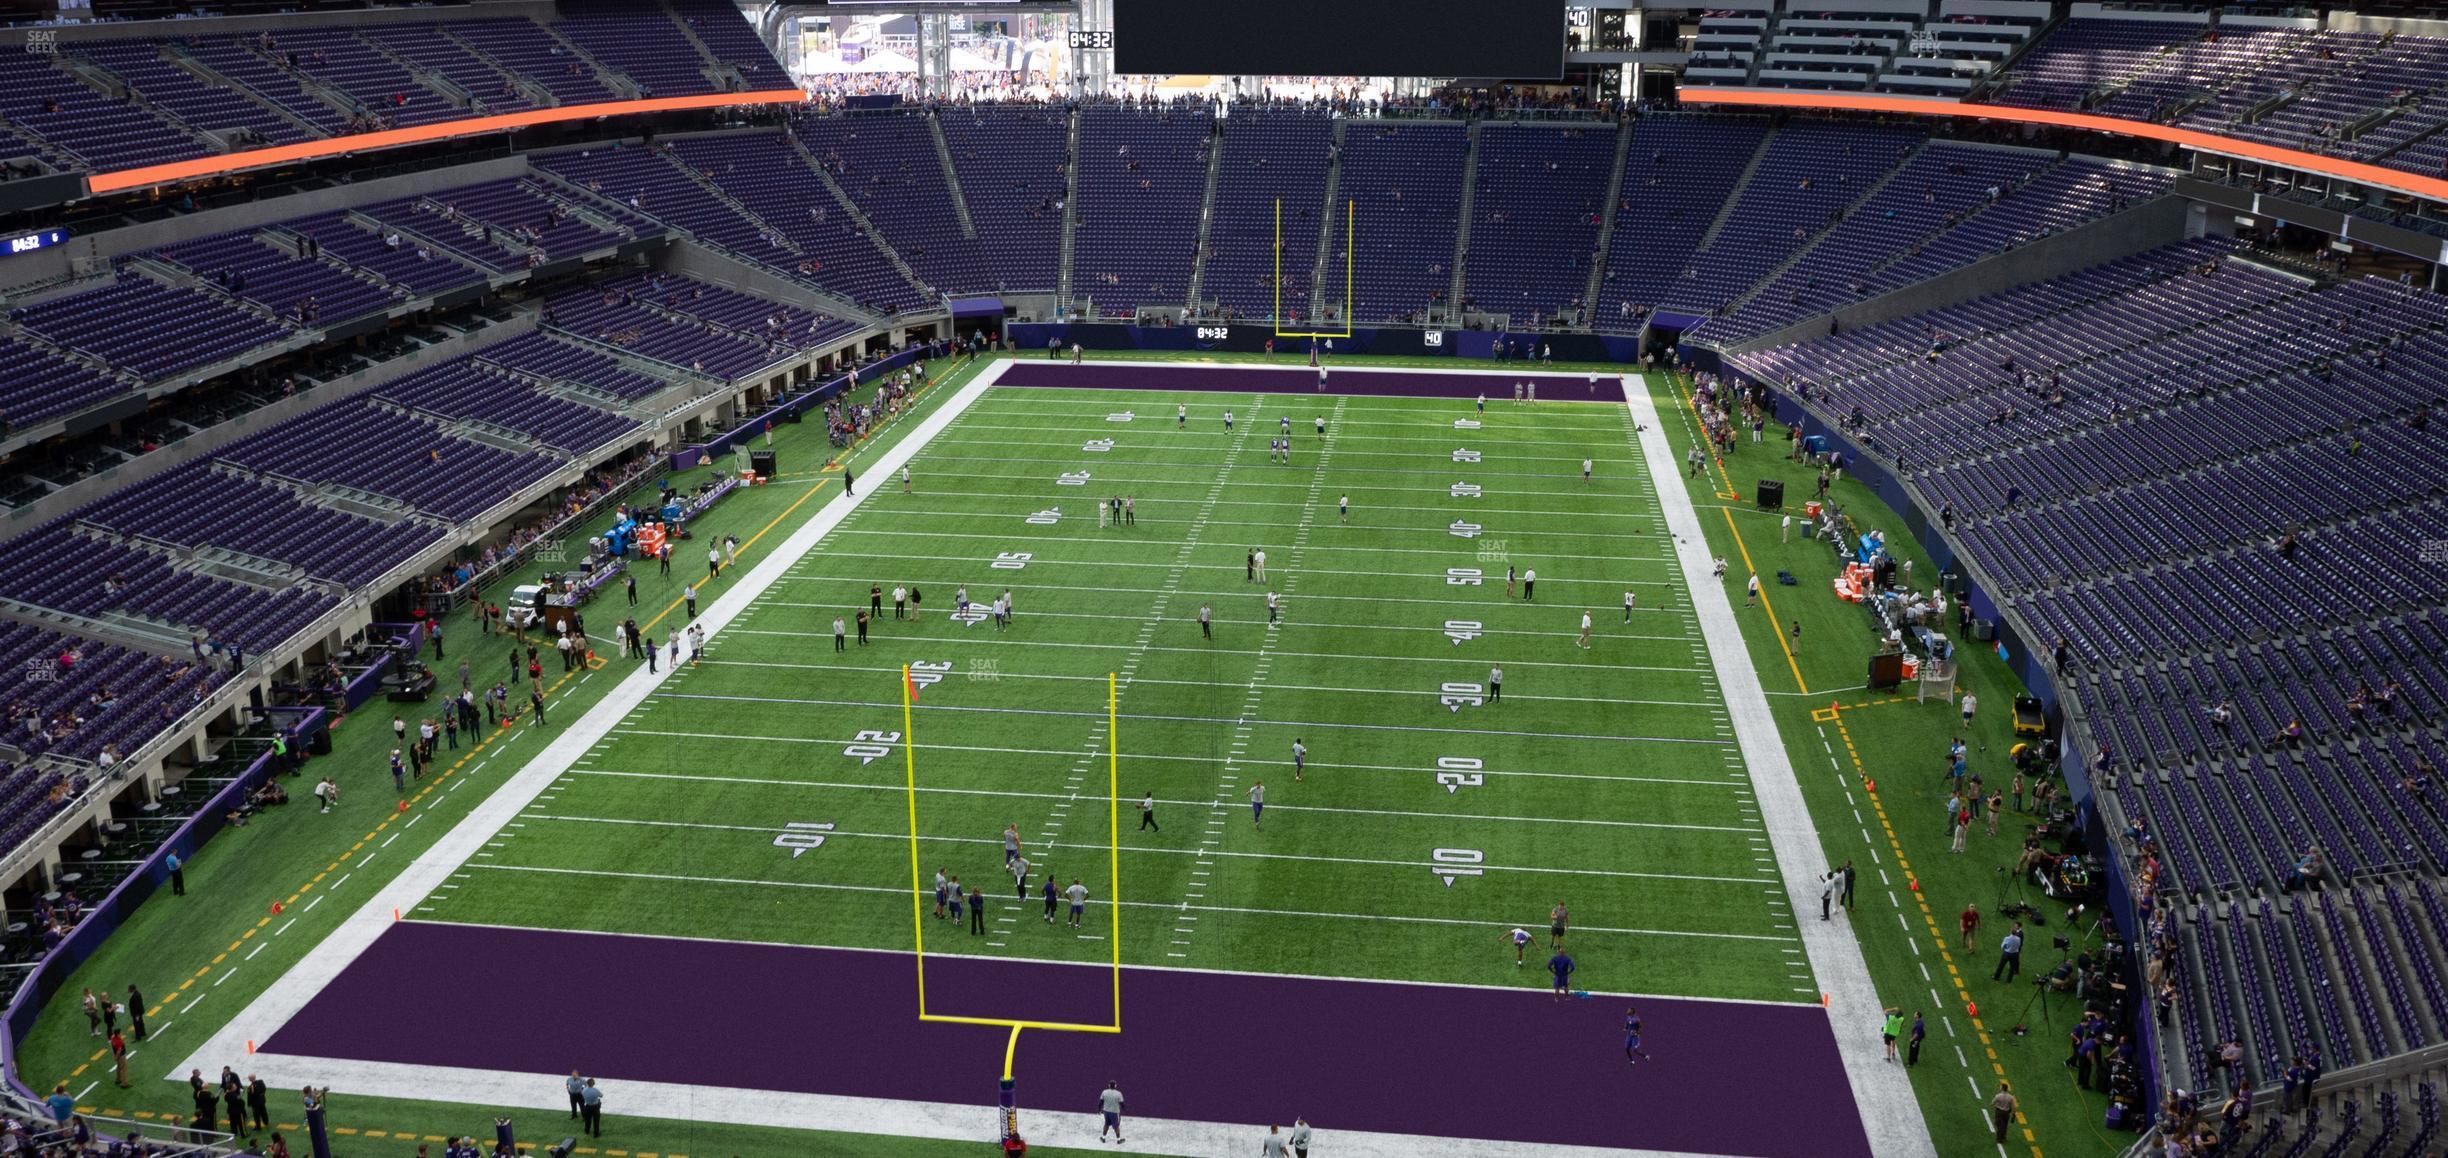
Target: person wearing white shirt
<point>1300,1138</point>
<point>1585,630</point>
<point>1110,1101</point>
<point>1629,599</point>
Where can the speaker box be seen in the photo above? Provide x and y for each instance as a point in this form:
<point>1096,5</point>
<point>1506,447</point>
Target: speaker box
<point>762,462</point>
<point>1771,494</point>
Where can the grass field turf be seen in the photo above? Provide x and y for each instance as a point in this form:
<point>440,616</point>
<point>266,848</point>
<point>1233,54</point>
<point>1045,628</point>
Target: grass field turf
<point>167,943</point>
<point>1908,935</point>
<point>1604,779</point>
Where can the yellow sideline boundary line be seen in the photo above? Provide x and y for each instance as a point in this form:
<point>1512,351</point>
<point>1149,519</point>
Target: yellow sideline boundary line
<point>476,746</point>
<point>1113,817</point>
<point>1965,1002</point>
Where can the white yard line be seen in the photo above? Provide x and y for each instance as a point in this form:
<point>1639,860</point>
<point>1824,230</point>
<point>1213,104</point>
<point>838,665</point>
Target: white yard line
<point>1330,766</point>
<point>1306,621</point>
<point>939,838</point>
<point>284,997</point>
<point>1102,564</point>
<point>1328,549</point>
<point>1286,687</point>
<point>1331,725</point>
<point>1579,516</point>
<point>886,641</point>
<point>1163,906</point>
<point>1888,1109</point>
<point>1612,590</point>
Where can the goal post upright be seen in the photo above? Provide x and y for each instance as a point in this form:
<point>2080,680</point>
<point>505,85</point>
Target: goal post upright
<point>1006,1092</point>
<point>1113,831</point>
<point>909,765</point>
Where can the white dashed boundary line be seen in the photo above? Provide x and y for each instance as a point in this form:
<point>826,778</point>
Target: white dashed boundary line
<point>1889,1111</point>
<point>568,744</point>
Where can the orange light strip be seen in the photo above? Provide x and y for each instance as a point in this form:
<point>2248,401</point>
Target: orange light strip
<point>219,164</point>
<point>2355,171</point>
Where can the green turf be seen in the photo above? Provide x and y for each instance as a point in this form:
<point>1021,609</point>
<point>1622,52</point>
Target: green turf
<point>1607,777</point>
<point>200,958</point>
<point>216,941</point>
<point>1902,745</point>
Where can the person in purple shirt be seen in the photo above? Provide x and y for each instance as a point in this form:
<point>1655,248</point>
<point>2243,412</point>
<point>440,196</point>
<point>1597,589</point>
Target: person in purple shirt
<point>1561,967</point>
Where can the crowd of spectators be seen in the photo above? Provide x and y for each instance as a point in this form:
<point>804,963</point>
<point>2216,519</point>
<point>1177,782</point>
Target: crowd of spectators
<point>543,529</point>
<point>847,421</point>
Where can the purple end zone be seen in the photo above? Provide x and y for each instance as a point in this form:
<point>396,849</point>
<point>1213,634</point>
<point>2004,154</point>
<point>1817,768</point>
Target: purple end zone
<point>1247,379</point>
<point>1437,1060</point>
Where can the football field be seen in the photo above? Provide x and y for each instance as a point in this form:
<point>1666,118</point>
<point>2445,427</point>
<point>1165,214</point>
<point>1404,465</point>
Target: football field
<point>759,795</point>
<point>688,846</point>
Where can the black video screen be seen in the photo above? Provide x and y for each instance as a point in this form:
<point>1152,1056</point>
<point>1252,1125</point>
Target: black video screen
<point>1509,39</point>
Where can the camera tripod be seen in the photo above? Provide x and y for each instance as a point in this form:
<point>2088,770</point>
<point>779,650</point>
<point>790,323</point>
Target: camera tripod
<point>2065,945</point>
<point>2010,881</point>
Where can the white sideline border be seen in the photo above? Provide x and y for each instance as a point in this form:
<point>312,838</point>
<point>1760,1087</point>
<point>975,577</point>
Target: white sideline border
<point>269,1011</point>
<point>1882,1092</point>
<point>504,1089</point>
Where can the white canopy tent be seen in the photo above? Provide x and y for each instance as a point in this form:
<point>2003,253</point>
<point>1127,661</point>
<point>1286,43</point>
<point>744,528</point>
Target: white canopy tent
<point>878,61</point>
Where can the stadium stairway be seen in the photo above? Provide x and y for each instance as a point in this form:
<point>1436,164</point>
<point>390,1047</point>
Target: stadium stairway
<point>638,363</point>
<point>1606,228</point>
<point>1065,289</point>
<point>951,177</point>
<point>1200,251</point>
<point>764,227</point>
<point>178,51</point>
<point>622,86</point>
<point>1320,284</point>
<point>866,227</point>
<point>423,70</point>
<point>1795,255</point>
<point>713,66</point>
<point>1462,219</point>
<point>1734,193</point>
